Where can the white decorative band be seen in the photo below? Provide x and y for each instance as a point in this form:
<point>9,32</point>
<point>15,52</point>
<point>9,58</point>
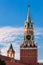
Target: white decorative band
<point>28,48</point>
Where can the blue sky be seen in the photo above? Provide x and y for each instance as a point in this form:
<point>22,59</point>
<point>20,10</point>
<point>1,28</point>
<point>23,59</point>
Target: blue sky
<point>13,14</point>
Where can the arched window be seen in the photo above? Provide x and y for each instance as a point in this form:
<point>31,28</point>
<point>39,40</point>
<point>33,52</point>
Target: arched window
<point>31,25</point>
<point>25,26</point>
<point>28,24</point>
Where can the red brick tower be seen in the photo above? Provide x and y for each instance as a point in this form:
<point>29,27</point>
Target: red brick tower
<point>11,52</point>
<point>28,50</point>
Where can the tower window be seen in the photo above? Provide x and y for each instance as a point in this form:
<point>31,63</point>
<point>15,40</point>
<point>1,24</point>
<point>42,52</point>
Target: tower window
<point>28,24</point>
<point>25,26</point>
<point>31,25</point>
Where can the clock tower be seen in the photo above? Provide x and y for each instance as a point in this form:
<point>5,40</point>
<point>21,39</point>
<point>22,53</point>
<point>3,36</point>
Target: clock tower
<point>28,49</point>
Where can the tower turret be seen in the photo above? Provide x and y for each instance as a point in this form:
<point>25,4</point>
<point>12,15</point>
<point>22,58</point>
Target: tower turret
<point>11,52</point>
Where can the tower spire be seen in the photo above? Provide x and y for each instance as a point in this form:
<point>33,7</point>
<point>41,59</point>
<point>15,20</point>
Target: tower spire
<point>28,15</point>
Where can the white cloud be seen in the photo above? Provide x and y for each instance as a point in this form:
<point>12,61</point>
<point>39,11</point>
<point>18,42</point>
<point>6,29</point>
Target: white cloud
<point>38,31</point>
<point>40,61</point>
<point>8,34</point>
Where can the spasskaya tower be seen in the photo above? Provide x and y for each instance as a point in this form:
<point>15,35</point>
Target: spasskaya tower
<point>28,50</point>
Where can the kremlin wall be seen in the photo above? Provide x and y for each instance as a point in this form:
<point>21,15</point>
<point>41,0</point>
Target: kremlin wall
<point>28,49</point>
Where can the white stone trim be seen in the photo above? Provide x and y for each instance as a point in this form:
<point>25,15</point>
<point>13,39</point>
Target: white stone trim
<point>28,48</point>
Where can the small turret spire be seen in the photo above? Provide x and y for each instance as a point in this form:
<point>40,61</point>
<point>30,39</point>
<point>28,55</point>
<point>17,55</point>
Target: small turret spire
<point>11,48</point>
<point>28,15</point>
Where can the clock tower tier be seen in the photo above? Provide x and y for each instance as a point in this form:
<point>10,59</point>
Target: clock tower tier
<point>28,29</point>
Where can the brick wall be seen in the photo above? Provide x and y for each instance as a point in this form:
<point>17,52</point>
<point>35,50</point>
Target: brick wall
<point>28,55</point>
